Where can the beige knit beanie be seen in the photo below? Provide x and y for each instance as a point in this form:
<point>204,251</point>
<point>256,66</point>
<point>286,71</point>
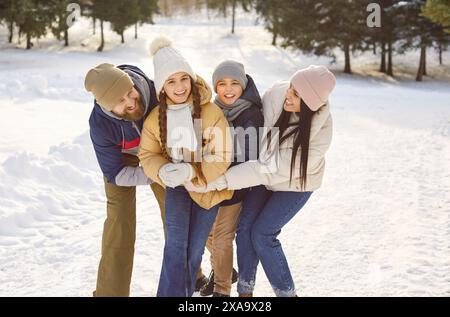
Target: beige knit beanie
<point>108,84</point>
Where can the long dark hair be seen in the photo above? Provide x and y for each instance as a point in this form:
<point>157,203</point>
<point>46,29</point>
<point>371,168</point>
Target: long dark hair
<point>301,132</point>
<point>163,114</point>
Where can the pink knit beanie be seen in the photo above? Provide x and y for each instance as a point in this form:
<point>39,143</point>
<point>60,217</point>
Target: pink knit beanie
<point>314,85</point>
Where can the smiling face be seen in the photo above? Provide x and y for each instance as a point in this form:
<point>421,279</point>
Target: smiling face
<point>178,87</point>
<point>229,90</point>
<point>129,106</point>
<point>292,101</point>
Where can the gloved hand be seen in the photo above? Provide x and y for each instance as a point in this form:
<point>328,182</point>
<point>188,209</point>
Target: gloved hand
<point>173,175</point>
<point>219,184</point>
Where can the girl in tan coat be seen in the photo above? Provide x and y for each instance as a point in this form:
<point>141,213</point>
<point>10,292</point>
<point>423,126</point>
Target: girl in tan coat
<point>184,140</point>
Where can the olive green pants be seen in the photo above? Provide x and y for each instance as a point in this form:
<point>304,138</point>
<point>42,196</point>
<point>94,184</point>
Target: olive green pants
<point>119,235</point>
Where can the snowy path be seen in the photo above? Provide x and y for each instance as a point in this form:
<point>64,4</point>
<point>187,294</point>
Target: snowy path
<point>379,226</point>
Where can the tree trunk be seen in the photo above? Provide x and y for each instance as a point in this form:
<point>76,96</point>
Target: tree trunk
<point>347,67</point>
<point>374,49</point>
<point>58,34</point>
<point>136,31</point>
<point>390,70</point>
<point>383,58</point>
<point>102,43</point>
<point>66,37</point>
<point>28,41</point>
<point>233,17</point>
<point>274,38</point>
<point>440,53</point>
<point>94,20</point>
<point>11,30</point>
<point>123,38</point>
<point>19,36</point>
<point>421,63</point>
<point>425,62</point>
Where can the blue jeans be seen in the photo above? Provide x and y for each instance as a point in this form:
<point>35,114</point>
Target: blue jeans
<point>264,213</point>
<point>187,229</point>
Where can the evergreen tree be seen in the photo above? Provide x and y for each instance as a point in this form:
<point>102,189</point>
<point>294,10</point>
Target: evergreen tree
<point>34,18</point>
<point>101,10</point>
<point>147,9</point>
<point>222,6</point>
<point>441,44</point>
<point>385,36</point>
<point>124,13</point>
<point>9,11</point>
<point>60,28</point>
<point>320,27</point>
<point>269,11</point>
<point>420,33</point>
<point>438,11</point>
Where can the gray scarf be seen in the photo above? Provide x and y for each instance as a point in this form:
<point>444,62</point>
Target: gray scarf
<point>233,111</point>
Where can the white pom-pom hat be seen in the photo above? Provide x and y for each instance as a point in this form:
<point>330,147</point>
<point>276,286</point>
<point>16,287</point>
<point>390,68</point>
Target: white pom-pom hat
<point>167,61</point>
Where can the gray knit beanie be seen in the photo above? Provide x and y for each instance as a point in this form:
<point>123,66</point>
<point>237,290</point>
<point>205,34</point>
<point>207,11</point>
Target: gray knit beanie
<point>231,69</point>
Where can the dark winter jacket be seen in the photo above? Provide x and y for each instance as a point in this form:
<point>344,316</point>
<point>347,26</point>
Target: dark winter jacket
<point>114,137</point>
<point>250,118</point>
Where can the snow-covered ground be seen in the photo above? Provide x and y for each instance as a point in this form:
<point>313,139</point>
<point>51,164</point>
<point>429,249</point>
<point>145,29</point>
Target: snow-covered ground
<point>379,226</point>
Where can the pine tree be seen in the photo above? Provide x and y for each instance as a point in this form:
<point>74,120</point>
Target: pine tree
<point>441,44</point>
<point>124,13</point>
<point>387,35</point>
<point>438,11</point>
<point>222,6</point>
<point>320,27</point>
<point>60,12</point>
<point>147,9</point>
<point>9,10</point>
<point>269,11</point>
<point>101,10</point>
<point>35,16</point>
<point>421,33</point>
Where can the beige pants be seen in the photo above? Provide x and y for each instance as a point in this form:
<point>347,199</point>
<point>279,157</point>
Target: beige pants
<point>220,245</point>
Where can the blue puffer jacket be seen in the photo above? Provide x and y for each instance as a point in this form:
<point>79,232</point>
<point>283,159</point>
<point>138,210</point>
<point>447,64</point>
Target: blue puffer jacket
<point>250,118</point>
<point>113,137</point>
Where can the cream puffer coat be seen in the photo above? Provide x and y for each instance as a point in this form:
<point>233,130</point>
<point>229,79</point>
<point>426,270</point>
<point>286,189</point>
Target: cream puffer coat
<point>274,166</point>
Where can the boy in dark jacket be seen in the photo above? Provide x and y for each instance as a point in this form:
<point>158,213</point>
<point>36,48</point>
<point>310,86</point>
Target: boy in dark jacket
<point>240,101</point>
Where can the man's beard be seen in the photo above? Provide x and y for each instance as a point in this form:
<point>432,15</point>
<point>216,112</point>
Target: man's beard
<point>138,114</point>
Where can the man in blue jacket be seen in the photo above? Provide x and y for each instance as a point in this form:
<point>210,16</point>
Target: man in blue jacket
<point>124,97</point>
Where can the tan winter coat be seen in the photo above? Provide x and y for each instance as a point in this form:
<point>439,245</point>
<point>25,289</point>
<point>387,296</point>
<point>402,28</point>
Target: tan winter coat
<point>216,153</point>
